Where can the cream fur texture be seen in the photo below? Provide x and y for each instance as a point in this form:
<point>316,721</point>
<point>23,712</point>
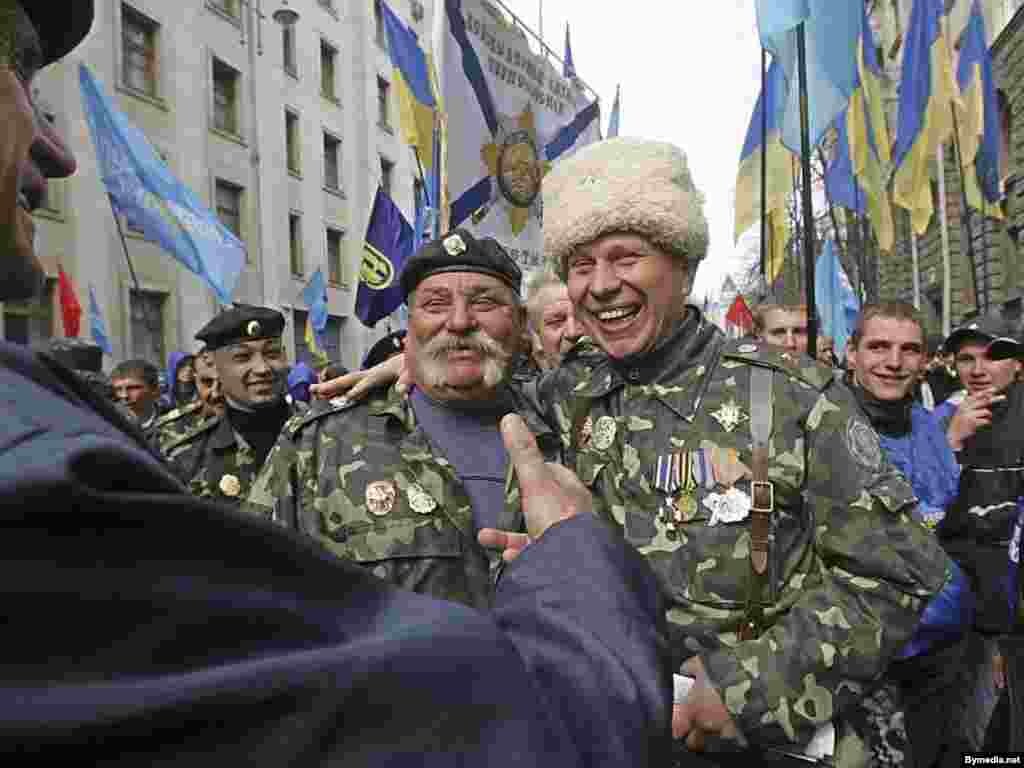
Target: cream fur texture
<point>624,185</point>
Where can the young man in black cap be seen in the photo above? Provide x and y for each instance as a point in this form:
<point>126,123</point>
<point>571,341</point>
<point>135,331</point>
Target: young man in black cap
<point>144,626</point>
<point>986,432</point>
<point>220,458</point>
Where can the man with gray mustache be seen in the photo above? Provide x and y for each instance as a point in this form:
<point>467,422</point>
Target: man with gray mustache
<point>403,487</point>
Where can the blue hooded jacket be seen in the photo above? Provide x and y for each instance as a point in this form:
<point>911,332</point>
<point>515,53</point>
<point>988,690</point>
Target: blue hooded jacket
<point>169,399</point>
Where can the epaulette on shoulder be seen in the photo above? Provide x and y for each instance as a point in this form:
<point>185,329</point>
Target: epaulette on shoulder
<point>793,364</point>
<point>316,411</point>
<point>177,413</point>
<point>202,427</point>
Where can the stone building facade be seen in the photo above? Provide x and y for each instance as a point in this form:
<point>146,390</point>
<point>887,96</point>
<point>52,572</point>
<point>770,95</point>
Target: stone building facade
<point>285,133</point>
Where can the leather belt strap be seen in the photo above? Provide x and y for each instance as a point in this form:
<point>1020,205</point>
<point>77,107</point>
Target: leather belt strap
<point>762,496</point>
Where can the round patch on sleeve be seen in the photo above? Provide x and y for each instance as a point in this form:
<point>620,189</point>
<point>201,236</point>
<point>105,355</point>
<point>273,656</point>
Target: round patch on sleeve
<point>863,443</point>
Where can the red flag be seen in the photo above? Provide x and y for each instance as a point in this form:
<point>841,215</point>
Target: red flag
<point>69,306</point>
<point>739,314</point>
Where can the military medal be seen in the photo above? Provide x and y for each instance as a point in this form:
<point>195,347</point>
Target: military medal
<point>380,497</point>
<point>586,432</point>
<point>420,500</point>
<point>230,486</point>
<point>730,415</point>
<point>604,433</point>
<point>686,503</point>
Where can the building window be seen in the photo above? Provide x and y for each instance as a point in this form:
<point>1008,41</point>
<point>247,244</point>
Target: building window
<point>30,322</point>
<point>292,142</point>
<point>147,323</point>
<point>335,268</point>
<point>225,98</point>
<point>328,58</point>
<point>138,51</point>
<point>332,175</point>
<point>288,47</point>
<point>387,169</point>
<point>295,244</point>
<point>227,7</point>
<point>383,97</point>
<point>229,207</point>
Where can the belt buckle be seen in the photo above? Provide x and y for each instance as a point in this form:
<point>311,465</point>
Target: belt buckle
<point>760,485</point>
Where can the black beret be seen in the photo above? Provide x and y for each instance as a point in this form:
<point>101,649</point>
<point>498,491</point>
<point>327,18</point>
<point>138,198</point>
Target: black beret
<point>241,324</point>
<point>61,24</point>
<point>384,348</point>
<point>459,251</point>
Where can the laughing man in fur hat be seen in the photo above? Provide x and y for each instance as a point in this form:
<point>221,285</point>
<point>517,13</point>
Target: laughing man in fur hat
<point>749,479</point>
<point>782,538</point>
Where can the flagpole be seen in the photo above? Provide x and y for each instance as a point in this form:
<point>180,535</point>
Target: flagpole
<point>947,288</point>
<point>764,166</point>
<point>131,268</point>
<point>915,266</point>
<point>808,207</point>
<point>966,214</point>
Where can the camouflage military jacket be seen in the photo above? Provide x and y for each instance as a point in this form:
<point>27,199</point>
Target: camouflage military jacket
<point>665,446</point>
<point>215,461</point>
<point>364,479</point>
<point>174,425</point>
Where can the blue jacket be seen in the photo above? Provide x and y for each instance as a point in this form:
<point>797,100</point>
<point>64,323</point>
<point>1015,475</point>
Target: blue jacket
<point>169,399</point>
<point>146,626</point>
<point>926,460</point>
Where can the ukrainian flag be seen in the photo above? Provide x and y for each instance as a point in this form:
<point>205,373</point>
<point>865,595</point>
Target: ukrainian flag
<point>413,85</point>
<point>979,132</point>
<point>928,95</point>
<point>778,181</point>
<point>863,146</point>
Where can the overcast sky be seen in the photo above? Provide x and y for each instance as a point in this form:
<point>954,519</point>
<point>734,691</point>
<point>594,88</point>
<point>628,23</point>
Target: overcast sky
<point>690,75</point>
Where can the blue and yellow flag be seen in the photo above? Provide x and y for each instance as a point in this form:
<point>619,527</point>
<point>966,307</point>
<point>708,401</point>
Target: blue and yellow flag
<point>778,182</point>
<point>979,131</point>
<point>315,297</point>
<point>855,179</point>
<point>834,296</point>
<point>389,240</point>
<point>928,96</point>
<point>141,187</point>
<point>831,31</point>
<point>412,80</point>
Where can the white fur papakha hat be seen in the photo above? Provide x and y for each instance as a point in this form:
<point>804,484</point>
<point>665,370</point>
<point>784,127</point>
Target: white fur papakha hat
<point>629,186</point>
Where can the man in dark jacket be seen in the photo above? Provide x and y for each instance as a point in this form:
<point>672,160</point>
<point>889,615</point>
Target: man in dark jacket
<point>143,626</point>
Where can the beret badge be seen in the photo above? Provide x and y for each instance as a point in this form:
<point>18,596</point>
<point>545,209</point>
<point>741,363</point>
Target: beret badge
<point>454,245</point>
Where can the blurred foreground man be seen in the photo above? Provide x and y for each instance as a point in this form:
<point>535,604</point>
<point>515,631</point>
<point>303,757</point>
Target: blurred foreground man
<point>924,701</point>
<point>982,529</point>
<point>784,541</point>
<point>177,633</point>
<point>404,486</point>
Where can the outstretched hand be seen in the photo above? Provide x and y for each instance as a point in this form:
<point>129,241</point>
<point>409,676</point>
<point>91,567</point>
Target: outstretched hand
<point>550,493</point>
<point>357,384</point>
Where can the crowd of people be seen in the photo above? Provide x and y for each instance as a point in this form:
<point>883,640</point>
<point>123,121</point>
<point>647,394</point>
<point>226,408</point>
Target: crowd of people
<point>570,523</point>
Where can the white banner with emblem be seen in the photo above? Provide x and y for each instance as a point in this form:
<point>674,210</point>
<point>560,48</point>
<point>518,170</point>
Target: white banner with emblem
<point>510,116</point>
